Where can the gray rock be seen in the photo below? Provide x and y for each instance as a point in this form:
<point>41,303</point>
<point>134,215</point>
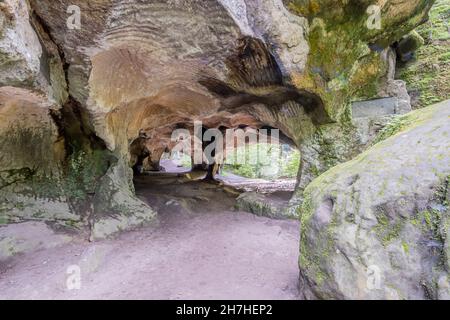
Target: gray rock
<point>20,48</point>
<point>263,205</point>
<point>26,237</point>
<point>374,108</point>
<point>377,227</point>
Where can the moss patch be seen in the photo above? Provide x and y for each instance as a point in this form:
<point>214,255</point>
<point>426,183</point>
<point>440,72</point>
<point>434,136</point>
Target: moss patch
<point>315,253</point>
<point>405,247</point>
<point>397,125</point>
<point>345,60</point>
<point>84,170</point>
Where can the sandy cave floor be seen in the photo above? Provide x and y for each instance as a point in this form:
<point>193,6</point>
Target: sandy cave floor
<point>200,249</point>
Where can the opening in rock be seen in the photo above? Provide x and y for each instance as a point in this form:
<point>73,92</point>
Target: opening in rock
<point>254,169</point>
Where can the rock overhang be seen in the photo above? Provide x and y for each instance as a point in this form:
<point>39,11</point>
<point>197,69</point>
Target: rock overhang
<point>159,65</point>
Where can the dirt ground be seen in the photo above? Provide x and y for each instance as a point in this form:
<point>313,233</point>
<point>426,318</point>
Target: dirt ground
<point>200,249</point>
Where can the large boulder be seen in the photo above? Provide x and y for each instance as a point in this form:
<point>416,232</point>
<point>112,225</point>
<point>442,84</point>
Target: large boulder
<point>32,153</point>
<point>377,227</point>
<point>156,66</point>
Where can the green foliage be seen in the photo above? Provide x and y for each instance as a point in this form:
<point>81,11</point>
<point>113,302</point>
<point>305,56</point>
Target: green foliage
<point>264,161</point>
<point>290,169</point>
<point>244,170</point>
<point>405,247</point>
<point>247,161</point>
<point>84,170</point>
<point>387,230</point>
<point>438,25</point>
<point>179,158</point>
<point>428,77</point>
<point>186,161</point>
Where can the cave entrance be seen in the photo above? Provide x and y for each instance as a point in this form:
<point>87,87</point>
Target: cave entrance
<point>245,168</point>
<point>264,171</point>
<point>176,162</point>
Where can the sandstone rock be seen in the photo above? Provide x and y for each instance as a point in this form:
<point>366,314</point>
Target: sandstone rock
<point>165,72</point>
<point>26,237</point>
<point>376,227</point>
<point>20,50</point>
<point>341,64</point>
<point>157,66</point>
<point>397,88</point>
<point>31,158</point>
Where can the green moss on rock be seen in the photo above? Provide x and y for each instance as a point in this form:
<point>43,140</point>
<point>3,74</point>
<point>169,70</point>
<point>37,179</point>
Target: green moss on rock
<point>405,122</point>
<point>387,230</point>
<point>345,59</point>
<point>428,76</point>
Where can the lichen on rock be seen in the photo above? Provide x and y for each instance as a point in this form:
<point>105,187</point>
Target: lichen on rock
<point>384,211</point>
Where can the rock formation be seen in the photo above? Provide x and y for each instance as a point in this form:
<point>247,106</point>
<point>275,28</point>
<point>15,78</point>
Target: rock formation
<point>80,105</point>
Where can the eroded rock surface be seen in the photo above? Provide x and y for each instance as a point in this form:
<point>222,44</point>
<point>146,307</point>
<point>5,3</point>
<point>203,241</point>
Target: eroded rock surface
<point>377,227</point>
<point>138,69</point>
